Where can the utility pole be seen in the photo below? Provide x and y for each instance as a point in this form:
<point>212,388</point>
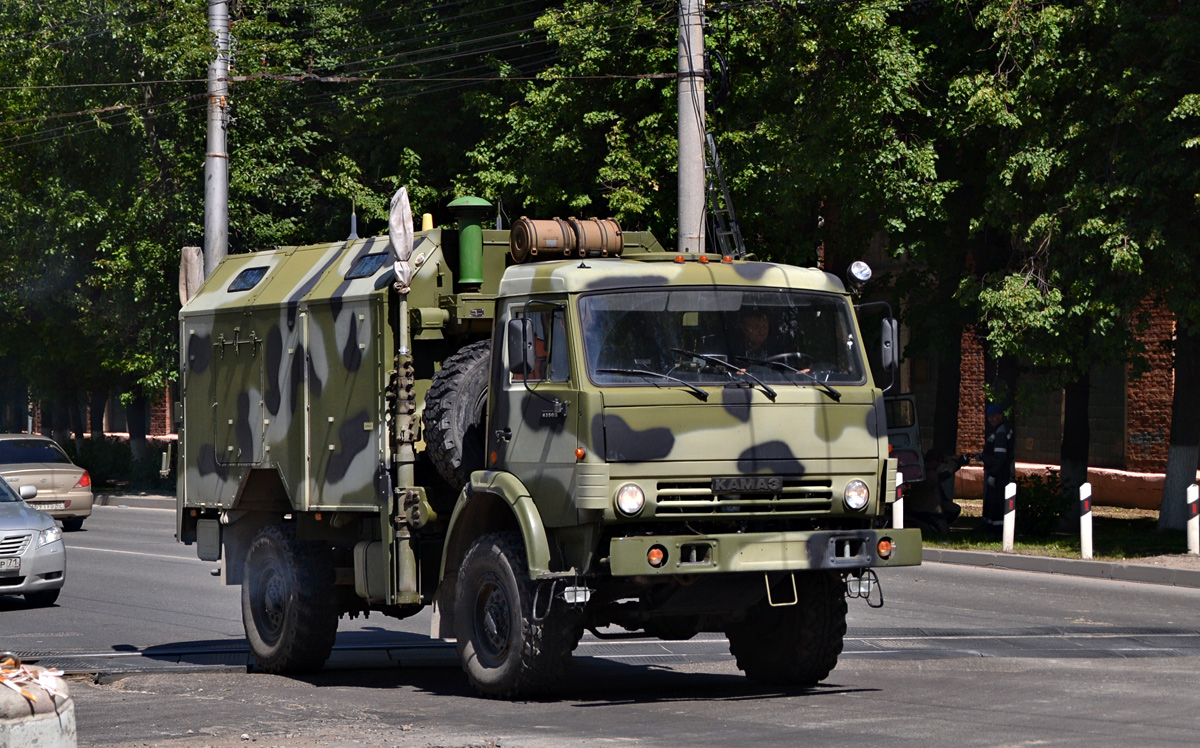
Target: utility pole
<point>691,126</point>
<point>216,157</point>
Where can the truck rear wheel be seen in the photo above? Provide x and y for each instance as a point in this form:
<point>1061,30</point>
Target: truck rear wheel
<point>795,645</point>
<point>288,603</point>
<point>456,413</point>
<point>504,651</point>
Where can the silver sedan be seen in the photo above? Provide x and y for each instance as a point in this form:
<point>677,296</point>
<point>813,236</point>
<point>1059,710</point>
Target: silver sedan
<point>33,559</point>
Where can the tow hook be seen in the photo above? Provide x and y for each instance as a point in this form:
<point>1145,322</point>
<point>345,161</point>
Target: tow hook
<point>864,584</point>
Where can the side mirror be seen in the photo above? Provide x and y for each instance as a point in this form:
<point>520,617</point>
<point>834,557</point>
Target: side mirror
<point>28,492</point>
<point>520,346</point>
<point>891,344</point>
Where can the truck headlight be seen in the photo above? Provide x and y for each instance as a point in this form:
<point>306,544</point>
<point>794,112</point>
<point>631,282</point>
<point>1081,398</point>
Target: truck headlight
<point>857,494</point>
<point>630,499</point>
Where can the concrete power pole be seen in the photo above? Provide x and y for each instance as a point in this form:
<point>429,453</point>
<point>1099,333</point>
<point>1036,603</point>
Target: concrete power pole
<point>216,157</point>
<point>691,126</point>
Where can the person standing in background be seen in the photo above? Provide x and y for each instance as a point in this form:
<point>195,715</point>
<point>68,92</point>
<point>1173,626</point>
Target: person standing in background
<point>997,457</point>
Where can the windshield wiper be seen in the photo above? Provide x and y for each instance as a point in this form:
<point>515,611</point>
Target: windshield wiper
<point>823,385</point>
<point>736,369</point>
<point>646,373</point>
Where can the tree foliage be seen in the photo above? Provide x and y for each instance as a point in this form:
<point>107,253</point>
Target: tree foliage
<point>1034,163</point>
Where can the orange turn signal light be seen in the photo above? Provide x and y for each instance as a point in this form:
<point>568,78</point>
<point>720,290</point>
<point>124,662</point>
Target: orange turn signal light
<point>319,516</point>
<point>728,259</point>
<point>495,457</point>
<point>885,548</point>
<point>579,453</point>
<point>656,556</point>
<point>703,259</point>
<point>679,259</point>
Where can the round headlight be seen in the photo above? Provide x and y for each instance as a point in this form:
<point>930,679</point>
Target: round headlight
<point>857,494</point>
<point>860,271</point>
<point>630,499</point>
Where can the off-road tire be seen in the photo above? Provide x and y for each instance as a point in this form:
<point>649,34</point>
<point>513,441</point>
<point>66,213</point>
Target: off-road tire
<point>289,609</point>
<point>72,524</point>
<point>505,653</point>
<point>456,413</point>
<point>42,599</point>
<point>796,645</point>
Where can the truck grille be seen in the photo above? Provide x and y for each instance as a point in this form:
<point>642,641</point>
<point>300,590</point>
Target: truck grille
<point>694,498</point>
<point>14,545</point>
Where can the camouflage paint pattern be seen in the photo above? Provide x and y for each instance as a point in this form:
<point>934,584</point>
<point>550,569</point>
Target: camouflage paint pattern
<point>289,377</point>
<point>669,443</point>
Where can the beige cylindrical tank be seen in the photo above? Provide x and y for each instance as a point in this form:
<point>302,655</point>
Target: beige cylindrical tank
<point>597,237</point>
<point>532,240</point>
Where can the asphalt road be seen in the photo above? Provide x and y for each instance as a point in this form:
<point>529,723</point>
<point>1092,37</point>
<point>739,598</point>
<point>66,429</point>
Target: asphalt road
<point>957,657</point>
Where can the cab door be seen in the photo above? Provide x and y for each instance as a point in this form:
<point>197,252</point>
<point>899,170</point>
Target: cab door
<point>533,429</point>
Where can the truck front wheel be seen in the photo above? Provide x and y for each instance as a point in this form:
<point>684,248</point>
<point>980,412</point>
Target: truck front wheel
<point>794,645</point>
<point>288,602</point>
<point>505,652</point>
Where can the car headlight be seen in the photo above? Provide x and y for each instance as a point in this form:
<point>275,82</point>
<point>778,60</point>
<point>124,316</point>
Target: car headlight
<point>630,499</point>
<point>48,536</point>
<point>857,494</point>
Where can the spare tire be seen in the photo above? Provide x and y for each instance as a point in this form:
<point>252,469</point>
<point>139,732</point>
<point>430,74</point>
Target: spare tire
<point>456,414</point>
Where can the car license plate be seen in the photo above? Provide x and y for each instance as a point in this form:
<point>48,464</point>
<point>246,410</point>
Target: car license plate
<point>49,506</point>
<point>10,564</point>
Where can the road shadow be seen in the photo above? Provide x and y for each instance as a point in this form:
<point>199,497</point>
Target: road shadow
<point>389,660</point>
<point>590,682</point>
<point>16,602</point>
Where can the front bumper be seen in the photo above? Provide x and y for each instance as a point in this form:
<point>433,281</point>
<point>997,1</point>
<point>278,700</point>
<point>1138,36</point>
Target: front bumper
<point>763,552</point>
<point>41,569</point>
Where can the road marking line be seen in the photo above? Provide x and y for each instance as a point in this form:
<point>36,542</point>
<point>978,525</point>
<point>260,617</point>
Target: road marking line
<point>71,548</point>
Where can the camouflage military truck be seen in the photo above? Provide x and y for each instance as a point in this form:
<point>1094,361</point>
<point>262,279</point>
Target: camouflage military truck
<point>561,429</point>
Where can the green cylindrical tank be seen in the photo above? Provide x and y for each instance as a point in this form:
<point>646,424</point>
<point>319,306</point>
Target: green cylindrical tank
<point>470,212</point>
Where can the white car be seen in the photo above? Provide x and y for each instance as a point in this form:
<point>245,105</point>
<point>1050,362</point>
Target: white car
<point>33,558</point>
<point>64,490</point>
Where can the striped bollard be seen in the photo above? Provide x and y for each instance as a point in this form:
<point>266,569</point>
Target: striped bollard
<point>898,506</point>
<point>1010,515</point>
<point>1193,523</point>
<point>1085,520</point>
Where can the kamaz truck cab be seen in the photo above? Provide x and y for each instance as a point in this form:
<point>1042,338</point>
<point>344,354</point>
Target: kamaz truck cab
<point>590,434</point>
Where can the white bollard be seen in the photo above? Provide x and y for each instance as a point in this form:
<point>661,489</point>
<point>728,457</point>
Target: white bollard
<point>1193,523</point>
<point>898,506</point>
<point>1085,520</point>
<point>1010,515</point>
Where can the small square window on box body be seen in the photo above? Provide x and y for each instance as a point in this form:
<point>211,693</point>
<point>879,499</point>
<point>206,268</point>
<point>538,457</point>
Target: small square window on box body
<point>247,279</point>
<point>366,266</point>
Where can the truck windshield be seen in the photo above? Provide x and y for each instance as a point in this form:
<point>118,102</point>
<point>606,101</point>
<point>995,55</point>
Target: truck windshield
<point>778,336</point>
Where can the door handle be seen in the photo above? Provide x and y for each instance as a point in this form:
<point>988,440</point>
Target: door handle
<point>503,435</point>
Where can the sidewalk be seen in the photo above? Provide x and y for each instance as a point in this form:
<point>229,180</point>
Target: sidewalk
<point>1179,571</point>
<point>136,499</point>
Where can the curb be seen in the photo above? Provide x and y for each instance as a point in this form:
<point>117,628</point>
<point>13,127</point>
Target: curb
<point>139,501</point>
<point>1116,571</point>
<point>48,722</point>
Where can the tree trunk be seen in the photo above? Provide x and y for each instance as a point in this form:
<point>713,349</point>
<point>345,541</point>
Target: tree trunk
<point>75,419</point>
<point>60,420</point>
<point>136,415</point>
<point>1184,451</point>
<point>945,409</point>
<point>45,417</point>
<point>1076,439</point>
<point>97,403</point>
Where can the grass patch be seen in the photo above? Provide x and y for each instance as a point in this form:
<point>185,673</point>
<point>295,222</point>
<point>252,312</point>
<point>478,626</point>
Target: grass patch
<point>1117,535</point>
